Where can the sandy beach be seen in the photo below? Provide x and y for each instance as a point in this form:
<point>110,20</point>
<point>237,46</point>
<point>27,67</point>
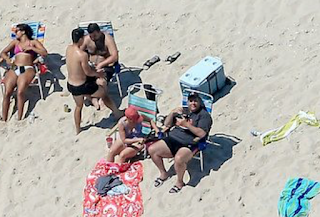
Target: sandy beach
<point>270,50</point>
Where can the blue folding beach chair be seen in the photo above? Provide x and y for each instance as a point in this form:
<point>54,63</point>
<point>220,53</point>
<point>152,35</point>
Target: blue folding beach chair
<point>145,102</point>
<point>207,101</point>
<point>145,106</point>
<point>106,27</point>
<point>38,33</point>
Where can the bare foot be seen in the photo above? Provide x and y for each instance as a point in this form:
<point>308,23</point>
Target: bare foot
<point>78,131</point>
<point>102,105</point>
<point>95,102</point>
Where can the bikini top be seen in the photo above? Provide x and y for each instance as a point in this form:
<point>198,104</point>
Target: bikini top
<point>17,49</point>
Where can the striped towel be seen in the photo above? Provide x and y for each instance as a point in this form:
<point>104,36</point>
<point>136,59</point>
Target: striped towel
<point>284,131</point>
<point>294,199</point>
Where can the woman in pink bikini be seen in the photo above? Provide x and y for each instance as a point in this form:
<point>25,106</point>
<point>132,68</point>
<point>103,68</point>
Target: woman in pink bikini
<point>21,71</point>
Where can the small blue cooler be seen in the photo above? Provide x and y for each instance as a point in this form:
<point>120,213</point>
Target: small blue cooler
<point>206,76</point>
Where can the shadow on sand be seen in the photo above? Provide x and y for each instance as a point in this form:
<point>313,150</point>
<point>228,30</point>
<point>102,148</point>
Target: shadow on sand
<point>128,76</point>
<point>230,83</point>
<point>50,82</point>
<point>214,156</point>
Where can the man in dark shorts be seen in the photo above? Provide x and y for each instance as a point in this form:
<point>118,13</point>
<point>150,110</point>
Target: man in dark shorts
<point>194,122</point>
<point>103,53</point>
<point>82,79</point>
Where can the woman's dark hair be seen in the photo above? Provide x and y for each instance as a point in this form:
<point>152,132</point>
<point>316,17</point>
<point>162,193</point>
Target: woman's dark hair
<point>27,29</point>
<point>77,34</point>
<point>93,27</point>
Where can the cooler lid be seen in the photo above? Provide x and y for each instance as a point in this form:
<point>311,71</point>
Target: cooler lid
<point>199,72</point>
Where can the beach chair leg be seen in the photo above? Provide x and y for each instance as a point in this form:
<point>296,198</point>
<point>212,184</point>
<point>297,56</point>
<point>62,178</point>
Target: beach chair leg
<point>2,89</point>
<point>201,161</point>
<point>1,84</point>
<point>40,86</point>
<point>119,85</point>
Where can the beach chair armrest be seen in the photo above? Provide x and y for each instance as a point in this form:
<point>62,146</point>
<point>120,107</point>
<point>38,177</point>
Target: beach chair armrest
<point>112,130</point>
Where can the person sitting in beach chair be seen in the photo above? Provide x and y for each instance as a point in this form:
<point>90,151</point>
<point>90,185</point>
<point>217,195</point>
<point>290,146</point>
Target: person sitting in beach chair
<point>183,127</point>
<point>82,79</point>
<point>22,71</point>
<point>103,53</point>
<point>131,136</point>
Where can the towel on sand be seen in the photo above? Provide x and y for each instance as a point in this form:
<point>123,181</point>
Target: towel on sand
<point>294,199</point>
<point>128,205</point>
<point>284,131</point>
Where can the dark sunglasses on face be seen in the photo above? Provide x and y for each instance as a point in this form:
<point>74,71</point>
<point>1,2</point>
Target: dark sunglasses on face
<point>193,100</point>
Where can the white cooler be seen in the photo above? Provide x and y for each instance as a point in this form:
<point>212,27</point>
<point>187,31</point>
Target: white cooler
<point>207,76</point>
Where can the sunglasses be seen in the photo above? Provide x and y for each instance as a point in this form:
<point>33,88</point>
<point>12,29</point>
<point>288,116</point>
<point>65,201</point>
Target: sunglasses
<point>17,30</point>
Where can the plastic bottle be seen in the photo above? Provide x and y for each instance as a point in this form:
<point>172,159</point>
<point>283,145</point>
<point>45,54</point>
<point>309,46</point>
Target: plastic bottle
<point>255,133</point>
<point>109,141</point>
<point>32,117</point>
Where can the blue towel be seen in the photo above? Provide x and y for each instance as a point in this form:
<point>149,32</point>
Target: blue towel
<point>119,190</point>
<point>294,199</point>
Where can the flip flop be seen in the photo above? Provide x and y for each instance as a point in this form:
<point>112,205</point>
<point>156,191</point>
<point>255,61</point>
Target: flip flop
<point>170,59</point>
<point>151,62</point>
<point>175,189</point>
<point>158,182</point>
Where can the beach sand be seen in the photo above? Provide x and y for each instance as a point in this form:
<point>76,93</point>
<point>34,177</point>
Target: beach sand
<point>270,49</point>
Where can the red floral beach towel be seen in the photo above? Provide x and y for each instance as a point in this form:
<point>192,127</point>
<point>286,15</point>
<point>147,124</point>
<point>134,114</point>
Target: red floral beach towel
<point>114,206</point>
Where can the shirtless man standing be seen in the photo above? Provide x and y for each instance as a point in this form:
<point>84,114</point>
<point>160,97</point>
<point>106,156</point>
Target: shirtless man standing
<point>82,79</point>
<point>102,51</point>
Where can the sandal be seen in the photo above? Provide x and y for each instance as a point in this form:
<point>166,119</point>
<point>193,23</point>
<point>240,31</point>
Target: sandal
<point>158,182</point>
<point>175,189</point>
<point>151,62</point>
<point>170,59</point>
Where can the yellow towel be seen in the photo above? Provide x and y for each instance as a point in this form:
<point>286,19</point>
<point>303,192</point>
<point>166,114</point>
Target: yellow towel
<point>282,132</point>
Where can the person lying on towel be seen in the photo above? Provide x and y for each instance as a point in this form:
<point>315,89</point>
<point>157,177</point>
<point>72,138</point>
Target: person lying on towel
<point>131,139</point>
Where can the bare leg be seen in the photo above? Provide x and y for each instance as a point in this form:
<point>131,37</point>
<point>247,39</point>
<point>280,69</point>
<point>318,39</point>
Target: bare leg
<point>108,102</point>
<point>102,105</point>
<point>115,149</point>
<point>10,84</point>
<point>95,102</point>
<point>181,159</point>
<point>77,112</point>
<point>127,153</point>
<point>23,82</point>
<point>158,151</point>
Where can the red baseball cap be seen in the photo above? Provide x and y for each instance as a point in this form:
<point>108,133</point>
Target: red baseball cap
<point>133,114</point>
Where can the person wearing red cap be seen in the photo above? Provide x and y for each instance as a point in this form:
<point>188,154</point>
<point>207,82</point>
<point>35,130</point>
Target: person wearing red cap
<point>131,137</point>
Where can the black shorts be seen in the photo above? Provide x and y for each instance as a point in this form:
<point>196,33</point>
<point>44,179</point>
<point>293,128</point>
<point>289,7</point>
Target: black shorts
<point>87,88</point>
<point>108,72</point>
<point>174,146</point>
